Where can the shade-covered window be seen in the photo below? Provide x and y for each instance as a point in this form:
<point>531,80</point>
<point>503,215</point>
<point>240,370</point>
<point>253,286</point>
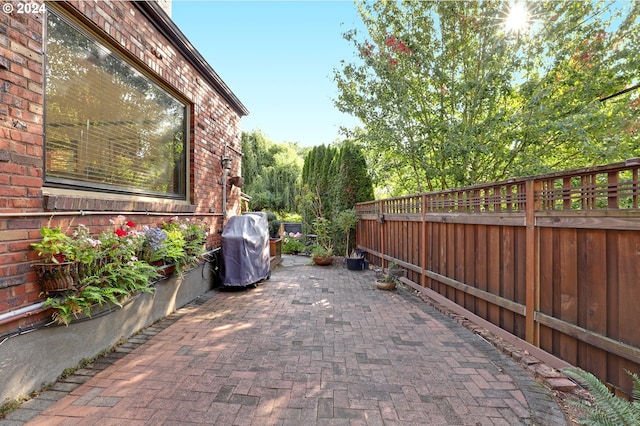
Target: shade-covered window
<point>108,127</point>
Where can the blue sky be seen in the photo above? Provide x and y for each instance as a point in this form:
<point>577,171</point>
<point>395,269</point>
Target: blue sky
<point>278,58</point>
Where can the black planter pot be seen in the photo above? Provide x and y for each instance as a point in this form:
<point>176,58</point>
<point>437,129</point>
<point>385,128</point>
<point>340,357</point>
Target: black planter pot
<point>355,263</point>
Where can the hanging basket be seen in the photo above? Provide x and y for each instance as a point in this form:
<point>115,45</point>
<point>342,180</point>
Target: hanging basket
<point>57,276</point>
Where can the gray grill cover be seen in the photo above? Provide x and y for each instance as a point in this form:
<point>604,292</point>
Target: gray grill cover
<point>245,249</point>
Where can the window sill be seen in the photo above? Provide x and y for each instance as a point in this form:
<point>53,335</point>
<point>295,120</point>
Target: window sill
<point>68,202</point>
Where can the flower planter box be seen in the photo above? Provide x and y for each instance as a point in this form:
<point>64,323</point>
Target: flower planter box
<point>275,247</point>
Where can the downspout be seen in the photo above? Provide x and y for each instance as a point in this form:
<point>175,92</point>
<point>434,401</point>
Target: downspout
<point>226,166</point>
<point>225,174</point>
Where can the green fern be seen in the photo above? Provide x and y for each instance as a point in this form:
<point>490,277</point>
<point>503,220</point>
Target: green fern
<point>607,409</point>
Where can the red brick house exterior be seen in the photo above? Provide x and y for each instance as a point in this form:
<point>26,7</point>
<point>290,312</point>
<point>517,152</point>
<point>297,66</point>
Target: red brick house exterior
<point>143,37</point>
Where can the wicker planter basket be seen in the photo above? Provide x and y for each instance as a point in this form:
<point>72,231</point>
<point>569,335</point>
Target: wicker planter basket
<point>57,276</point>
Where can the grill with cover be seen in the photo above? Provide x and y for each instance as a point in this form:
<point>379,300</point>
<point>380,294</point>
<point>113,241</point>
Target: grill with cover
<point>245,250</point>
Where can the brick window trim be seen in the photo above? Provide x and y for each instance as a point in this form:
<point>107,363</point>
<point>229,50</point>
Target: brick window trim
<point>72,203</point>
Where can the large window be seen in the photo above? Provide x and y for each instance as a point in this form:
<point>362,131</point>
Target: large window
<point>108,127</point>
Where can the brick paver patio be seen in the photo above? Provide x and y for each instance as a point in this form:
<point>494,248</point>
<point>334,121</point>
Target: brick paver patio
<point>312,346</point>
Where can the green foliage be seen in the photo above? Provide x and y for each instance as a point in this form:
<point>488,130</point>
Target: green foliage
<point>185,241</point>
<point>320,251</point>
<point>290,217</point>
<point>55,245</point>
<point>607,409</point>
<point>116,264</point>
<point>346,222</point>
<point>322,228</point>
<point>174,248</point>
<point>334,180</point>
<point>271,172</point>
<point>354,183</point>
<point>292,244</point>
<point>448,98</point>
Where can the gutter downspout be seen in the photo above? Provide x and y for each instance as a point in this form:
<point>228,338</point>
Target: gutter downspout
<point>226,163</point>
<point>225,175</point>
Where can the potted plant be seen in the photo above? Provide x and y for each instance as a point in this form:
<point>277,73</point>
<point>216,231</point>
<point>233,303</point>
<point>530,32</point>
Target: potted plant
<point>274,225</point>
<point>346,221</point>
<point>322,252</point>
<point>387,280</point>
<point>58,270</point>
<point>395,270</point>
<point>322,256</point>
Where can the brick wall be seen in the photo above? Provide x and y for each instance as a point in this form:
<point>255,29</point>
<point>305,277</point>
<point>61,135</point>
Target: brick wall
<point>26,204</point>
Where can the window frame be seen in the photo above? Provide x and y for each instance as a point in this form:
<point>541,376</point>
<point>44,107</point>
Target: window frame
<point>97,36</point>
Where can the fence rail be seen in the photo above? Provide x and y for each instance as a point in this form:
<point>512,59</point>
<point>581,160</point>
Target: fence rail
<point>553,259</point>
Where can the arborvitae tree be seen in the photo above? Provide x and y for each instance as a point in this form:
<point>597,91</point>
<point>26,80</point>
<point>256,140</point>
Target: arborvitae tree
<point>334,180</point>
<point>354,183</point>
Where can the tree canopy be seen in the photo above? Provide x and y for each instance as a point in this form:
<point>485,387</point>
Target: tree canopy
<point>448,97</point>
<point>271,172</point>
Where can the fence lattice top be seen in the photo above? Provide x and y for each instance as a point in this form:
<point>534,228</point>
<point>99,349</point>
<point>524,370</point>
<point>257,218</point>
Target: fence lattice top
<point>610,187</point>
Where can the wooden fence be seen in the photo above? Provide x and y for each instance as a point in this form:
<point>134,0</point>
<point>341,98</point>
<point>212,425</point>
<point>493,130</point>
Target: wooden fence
<point>551,259</point>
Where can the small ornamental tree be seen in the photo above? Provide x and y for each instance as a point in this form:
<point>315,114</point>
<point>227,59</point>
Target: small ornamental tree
<point>346,222</point>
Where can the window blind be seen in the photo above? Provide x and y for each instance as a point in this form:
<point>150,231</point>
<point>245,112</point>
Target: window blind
<point>107,125</point>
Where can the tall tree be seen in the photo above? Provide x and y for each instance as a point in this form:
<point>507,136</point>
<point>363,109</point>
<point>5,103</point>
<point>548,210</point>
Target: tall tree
<point>335,178</point>
<point>449,98</point>
<point>353,183</point>
<point>272,172</point>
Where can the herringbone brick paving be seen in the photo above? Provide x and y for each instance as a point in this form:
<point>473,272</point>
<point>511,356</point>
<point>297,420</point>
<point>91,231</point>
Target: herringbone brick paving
<point>312,346</point>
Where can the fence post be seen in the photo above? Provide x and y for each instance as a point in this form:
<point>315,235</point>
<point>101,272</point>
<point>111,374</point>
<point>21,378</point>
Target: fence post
<point>532,283</point>
<point>383,248</point>
<point>423,242</point>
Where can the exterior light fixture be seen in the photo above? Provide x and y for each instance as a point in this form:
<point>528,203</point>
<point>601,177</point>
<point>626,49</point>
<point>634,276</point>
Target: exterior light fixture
<point>226,163</point>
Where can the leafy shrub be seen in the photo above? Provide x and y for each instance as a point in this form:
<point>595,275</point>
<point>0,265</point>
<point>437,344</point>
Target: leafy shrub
<point>292,243</point>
